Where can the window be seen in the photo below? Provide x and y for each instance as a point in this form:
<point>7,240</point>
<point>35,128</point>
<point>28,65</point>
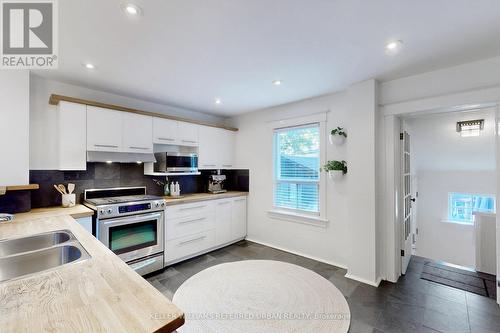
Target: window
<point>462,205</point>
<point>296,168</point>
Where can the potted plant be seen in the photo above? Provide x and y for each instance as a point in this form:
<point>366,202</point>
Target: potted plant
<point>336,169</point>
<point>338,136</point>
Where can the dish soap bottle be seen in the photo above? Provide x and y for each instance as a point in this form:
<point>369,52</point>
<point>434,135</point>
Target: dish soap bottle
<point>177,189</point>
<point>172,189</point>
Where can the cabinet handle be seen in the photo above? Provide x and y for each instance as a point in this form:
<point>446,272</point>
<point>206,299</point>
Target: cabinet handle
<point>224,203</point>
<point>140,148</point>
<point>106,146</point>
<point>189,141</point>
<point>194,220</point>
<point>240,199</point>
<point>227,165</point>
<point>193,240</point>
<point>166,139</point>
<point>209,165</point>
<point>195,207</point>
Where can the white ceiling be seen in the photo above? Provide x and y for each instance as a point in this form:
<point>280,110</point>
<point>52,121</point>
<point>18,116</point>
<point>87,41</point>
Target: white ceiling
<point>188,52</point>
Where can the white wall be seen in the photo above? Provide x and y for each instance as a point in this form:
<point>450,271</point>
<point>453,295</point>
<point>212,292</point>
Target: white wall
<point>43,129</point>
<point>350,238</point>
<point>14,127</point>
<point>444,162</point>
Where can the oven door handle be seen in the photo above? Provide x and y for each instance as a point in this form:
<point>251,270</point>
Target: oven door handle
<point>131,219</point>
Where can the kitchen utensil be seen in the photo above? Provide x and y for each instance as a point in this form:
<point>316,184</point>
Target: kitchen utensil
<point>62,189</point>
<point>71,188</point>
<point>57,189</point>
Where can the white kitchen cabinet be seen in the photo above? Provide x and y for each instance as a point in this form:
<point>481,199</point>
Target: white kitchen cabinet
<point>104,129</point>
<point>223,221</point>
<point>227,148</point>
<point>165,131</point>
<point>86,223</point>
<point>208,148</point>
<point>216,150</point>
<point>188,134</point>
<point>72,136</point>
<point>136,133</point>
<point>195,228</point>
<point>238,218</point>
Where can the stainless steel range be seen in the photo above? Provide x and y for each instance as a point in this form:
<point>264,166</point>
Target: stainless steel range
<point>131,224</point>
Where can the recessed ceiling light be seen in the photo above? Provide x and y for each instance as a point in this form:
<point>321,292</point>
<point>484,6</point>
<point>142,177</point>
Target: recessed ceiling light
<point>89,65</point>
<point>131,9</point>
<point>277,82</point>
<point>109,162</point>
<point>218,101</point>
<point>393,47</point>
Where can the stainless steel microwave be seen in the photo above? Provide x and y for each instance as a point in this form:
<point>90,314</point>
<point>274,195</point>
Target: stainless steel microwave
<point>176,162</point>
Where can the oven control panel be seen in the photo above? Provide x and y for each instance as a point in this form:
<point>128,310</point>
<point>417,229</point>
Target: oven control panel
<point>130,208</point>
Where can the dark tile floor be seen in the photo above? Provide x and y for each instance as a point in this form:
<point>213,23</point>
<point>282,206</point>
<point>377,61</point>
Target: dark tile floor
<point>410,305</point>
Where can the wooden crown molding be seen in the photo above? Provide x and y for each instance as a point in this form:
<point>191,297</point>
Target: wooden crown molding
<point>55,99</point>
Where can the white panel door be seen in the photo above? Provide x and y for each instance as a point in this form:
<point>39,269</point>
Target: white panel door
<point>226,148</point>
<point>137,133</point>
<point>223,221</point>
<point>72,136</point>
<point>188,134</point>
<point>208,150</point>
<point>407,202</point>
<point>104,129</point>
<point>239,218</point>
<point>165,131</point>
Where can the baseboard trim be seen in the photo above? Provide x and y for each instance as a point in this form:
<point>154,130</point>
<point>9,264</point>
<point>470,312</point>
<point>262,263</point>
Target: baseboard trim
<point>362,280</point>
<point>296,253</point>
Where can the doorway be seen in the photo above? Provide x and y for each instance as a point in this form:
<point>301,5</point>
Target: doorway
<point>448,171</point>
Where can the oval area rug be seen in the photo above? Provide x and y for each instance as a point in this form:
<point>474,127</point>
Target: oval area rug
<point>261,296</point>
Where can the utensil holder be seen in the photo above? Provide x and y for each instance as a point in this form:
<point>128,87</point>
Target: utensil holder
<point>68,200</point>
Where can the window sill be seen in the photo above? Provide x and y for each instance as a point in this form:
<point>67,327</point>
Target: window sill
<point>298,218</point>
<point>471,224</point>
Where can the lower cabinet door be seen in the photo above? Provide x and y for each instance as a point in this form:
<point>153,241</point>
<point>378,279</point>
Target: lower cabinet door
<point>85,222</point>
<point>239,218</point>
<point>223,221</point>
<point>185,246</point>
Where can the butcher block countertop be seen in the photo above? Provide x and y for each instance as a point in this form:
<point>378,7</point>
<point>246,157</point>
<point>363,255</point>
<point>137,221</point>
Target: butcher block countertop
<point>101,294</point>
<point>195,197</point>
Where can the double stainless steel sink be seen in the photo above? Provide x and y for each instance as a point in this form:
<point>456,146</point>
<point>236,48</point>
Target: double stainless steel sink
<point>37,253</point>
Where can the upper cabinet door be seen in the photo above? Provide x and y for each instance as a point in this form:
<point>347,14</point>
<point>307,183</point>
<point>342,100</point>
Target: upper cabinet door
<point>164,131</point>
<point>227,148</point>
<point>104,129</point>
<point>72,136</point>
<point>188,134</point>
<point>208,151</point>
<point>137,131</point>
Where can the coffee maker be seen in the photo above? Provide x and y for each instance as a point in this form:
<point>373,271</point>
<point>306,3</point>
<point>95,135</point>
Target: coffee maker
<point>216,184</point>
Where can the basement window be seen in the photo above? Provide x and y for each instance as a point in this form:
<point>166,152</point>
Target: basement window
<point>461,206</point>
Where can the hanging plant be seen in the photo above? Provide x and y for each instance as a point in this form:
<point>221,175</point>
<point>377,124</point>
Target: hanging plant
<point>338,136</point>
<point>339,131</point>
<point>335,169</point>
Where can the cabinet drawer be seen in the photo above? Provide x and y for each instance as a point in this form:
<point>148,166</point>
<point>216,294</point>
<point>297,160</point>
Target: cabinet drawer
<point>185,246</point>
<point>188,225</point>
<point>195,208</point>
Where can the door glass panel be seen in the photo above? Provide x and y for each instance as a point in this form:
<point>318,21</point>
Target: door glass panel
<point>131,237</point>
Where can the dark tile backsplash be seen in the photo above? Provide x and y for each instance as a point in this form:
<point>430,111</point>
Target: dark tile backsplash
<point>102,175</point>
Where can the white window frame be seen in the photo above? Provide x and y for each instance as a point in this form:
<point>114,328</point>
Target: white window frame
<point>311,218</point>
